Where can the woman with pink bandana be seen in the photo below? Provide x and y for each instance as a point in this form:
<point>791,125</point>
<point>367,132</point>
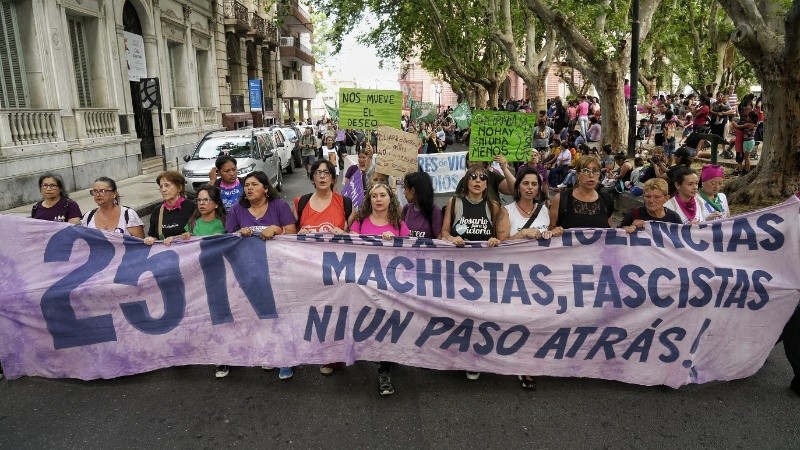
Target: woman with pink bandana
<point>714,203</point>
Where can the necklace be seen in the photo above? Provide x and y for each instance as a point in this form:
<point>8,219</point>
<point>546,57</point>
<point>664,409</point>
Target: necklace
<point>254,210</point>
<point>526,212</point>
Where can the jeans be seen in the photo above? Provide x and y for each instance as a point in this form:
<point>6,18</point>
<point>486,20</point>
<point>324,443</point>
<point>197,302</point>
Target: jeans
<point>583,121</point>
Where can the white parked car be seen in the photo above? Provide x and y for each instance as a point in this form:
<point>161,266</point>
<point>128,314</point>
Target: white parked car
<point>254,149</point>
<point>284,146</point>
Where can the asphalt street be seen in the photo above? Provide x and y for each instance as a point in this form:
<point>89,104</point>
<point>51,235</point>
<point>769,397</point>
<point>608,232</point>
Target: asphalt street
<point>186,407</point>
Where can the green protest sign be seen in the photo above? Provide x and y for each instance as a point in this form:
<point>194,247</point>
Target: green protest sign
<point>369,108</point>
<point>501,133</point>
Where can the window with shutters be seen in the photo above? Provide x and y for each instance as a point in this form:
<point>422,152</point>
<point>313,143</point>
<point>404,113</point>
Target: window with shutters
<point>80,61</point>
<point>203,78</point>
<point>177,74</point>
<point>13,90</point>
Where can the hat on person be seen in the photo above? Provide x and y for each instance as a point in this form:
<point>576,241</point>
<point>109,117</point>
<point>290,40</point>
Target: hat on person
<point>710,171</point>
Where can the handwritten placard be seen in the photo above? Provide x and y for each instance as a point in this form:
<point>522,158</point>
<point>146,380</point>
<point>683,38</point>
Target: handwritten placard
<point>501,133</point>
<point>367,109</point>
<point>397,152</point>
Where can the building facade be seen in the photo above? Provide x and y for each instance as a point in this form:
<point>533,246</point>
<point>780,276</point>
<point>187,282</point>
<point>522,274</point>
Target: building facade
<point>70,100</point>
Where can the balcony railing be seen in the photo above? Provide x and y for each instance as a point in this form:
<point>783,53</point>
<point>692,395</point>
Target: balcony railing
<point>298,51</point>
<point>271,35</point>
<point>258,28</point>
<point>183,117</point>
<point>236,16</point>
<point>32,126</point>
<point>237,103</point>
<point>209,116</point>
<point>95,122</point>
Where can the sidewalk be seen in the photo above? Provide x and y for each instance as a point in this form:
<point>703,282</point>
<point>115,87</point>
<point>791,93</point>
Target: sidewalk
<point>139,193</point>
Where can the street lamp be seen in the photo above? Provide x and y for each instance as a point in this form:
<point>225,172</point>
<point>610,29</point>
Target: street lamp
<point>438,88</point>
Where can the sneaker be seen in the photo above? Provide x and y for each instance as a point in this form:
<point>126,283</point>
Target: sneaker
<point>527,382</point>
<point>561,186</point>
<point>327,369</point>
<point>285,373</point>
<point>222,371</point>
<point>385,384</point>
<point>473,375</point>
<point>267,367</point>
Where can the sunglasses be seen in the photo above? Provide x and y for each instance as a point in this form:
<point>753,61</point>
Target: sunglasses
<point>478,176</point>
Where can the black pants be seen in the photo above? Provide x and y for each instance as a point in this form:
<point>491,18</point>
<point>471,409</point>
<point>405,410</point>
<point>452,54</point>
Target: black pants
<point>791,341</point>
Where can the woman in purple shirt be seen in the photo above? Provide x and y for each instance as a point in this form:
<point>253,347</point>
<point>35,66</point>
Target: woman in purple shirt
<point>260,211</point>
<point>422,217</point>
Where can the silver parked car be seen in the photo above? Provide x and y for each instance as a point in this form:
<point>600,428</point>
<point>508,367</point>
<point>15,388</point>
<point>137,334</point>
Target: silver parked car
<point>254,149</point>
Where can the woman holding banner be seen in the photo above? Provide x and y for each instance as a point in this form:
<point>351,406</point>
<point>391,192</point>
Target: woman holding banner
<point>715,203</point>
<point>323,211</point>
<point>655,194</point>
<point>472,216</point>
<point>584,206</point>
<point>686,202</point>
<point>261,212</point>
<point>423,218</point>
<point>379,215</point>
<point>171,218</point>
<point>55,206</point>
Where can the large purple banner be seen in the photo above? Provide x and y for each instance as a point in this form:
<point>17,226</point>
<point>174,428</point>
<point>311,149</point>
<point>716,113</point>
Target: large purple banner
<point>668,305</point>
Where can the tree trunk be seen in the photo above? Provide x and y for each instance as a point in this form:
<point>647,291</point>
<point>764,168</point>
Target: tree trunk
<point>612,107</point>
<point>539,93</point>
<point>777,175</point>
<point>493,90</point>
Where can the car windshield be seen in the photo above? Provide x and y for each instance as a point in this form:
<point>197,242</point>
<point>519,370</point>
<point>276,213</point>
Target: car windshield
<point>238,147</point>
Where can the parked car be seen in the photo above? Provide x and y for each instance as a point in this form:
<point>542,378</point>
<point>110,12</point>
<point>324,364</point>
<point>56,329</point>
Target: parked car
<point>284,146</point>
<point>292,135</point>
<point>254,149</point>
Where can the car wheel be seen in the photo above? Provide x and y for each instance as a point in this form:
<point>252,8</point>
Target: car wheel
<point>290,166</point>
<point>298,161</point>
<point>279,180</point>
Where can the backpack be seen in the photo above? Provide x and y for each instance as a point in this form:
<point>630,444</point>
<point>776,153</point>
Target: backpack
<point>646,174</point>
<point>125,209</point>
<point>301,205</point>
<point>66,208</point>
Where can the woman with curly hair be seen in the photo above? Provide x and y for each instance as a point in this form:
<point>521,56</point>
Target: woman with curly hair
<point>380,215</point>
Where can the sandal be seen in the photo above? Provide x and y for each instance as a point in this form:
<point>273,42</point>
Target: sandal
<point>528,382</point>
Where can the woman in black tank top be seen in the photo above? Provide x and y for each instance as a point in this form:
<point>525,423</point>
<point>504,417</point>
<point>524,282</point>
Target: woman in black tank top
<point>472,216</point>
<point>584,206</point>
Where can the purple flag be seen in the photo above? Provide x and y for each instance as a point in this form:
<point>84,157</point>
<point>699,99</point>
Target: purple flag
<point>355,189</point>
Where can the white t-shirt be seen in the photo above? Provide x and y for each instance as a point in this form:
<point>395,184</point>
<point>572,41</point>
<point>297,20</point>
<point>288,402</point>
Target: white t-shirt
<point>122,227</point>
<point>326,152</point>
<point>708,209</point>
<point>699,215</point>
<point>517,220</point>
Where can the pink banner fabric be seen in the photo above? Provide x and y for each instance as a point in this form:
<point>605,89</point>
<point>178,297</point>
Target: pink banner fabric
<point>668,305</point>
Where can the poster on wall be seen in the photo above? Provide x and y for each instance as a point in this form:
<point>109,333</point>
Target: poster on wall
<point>134,54</point>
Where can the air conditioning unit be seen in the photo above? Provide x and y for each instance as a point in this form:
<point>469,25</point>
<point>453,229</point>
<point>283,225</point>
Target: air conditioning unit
<point>295,65</point>
<point>287,41</point>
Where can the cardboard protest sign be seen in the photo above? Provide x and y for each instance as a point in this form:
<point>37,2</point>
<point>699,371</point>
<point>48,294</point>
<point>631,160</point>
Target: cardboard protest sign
<point>367,109</point>
<point>397,152</point>
<point>501,133</point>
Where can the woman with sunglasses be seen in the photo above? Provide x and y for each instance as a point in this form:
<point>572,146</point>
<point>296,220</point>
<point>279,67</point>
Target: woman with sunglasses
<point>583,206</point>
<point>323,211</point>
<point>473,216</point>
<point>109,215</point>
<point>55,206</point>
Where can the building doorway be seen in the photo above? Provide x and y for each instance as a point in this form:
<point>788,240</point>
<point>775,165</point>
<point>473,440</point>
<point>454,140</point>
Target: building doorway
<point>143,120</point>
